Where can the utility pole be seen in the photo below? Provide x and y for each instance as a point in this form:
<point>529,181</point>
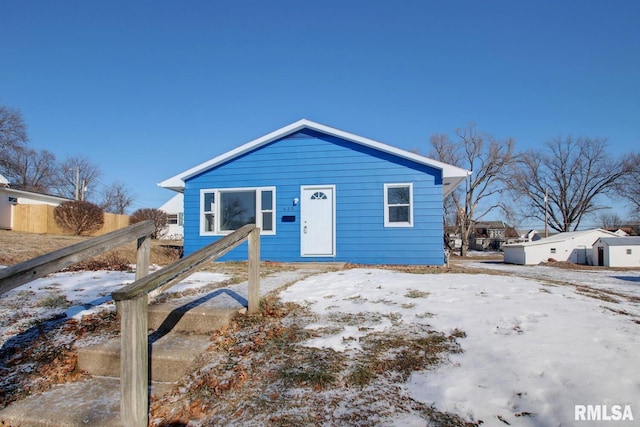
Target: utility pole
<point>84,188</point>
<point>546,212</point>
<point>77,182</point>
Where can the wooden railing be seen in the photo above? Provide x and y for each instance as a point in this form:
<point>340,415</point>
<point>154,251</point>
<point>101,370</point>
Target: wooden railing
<point>132,302</point>
<point>25,272</point>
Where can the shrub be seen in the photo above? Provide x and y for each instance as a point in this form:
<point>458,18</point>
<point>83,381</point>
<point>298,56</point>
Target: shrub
<point>110,261</point>
<point>160,220</point>
<point>79,217</point>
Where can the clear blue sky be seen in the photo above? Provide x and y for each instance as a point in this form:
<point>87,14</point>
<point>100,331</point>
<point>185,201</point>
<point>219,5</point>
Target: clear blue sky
<point>147,89</point>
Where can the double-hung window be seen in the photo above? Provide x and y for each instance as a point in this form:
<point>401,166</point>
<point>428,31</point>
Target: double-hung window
<point>176,219</point>
<point>226,210</point>
<point>398,205</point>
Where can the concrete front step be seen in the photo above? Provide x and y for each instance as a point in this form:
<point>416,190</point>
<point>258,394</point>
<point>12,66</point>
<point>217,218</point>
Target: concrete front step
<point>93,402</point>
<point>199,315</point>
<point>171,350</point>
<point>171,356</point>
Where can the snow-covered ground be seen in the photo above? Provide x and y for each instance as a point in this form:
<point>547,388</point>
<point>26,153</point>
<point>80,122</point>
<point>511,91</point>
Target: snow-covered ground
<point>531,353</point>
<point>76,294</point>
<point>534,348</point>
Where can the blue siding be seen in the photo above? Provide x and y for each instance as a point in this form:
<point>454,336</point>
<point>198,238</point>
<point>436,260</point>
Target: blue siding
<point>358,173</point>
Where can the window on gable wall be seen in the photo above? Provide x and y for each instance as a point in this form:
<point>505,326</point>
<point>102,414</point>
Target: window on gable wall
<point>226,210</point>
<point>398,205</point>
<point>176,219</point>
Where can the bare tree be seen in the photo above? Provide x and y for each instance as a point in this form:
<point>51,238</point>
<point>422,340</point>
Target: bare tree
<point>116,199</point>
<point>13,137</point>
<point>610,220</point>
<point>13,131</point>
<point>629,185</point>
<point>76,177</point>
<point>30,170</point>
<point>488,159</point>
<point>562,181</point>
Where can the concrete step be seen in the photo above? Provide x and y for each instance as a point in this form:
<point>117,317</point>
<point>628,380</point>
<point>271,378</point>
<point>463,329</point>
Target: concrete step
<point>93,402</point>
<point>198,315</point>
<point>170,355</point>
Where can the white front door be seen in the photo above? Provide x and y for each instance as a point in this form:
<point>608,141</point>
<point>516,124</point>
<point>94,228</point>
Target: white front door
<point>317,221</point>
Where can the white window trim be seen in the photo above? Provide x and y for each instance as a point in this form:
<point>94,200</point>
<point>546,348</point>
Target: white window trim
<point>387,223</point>
<point>216,212</point>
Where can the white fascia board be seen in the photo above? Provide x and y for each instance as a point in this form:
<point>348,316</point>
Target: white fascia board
<point>35,196</point>
<point>452,175</point>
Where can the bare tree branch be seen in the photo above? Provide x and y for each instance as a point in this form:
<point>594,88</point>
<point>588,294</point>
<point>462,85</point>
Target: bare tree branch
<point>13,131</point>
<point>574,173</point>
<point>77,174</point>
<point>487,158</point>
<point>116,199</point>
<point>30,170</point>
<point>629,185</point>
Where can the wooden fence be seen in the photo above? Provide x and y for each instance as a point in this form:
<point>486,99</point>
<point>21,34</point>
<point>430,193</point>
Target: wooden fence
<point>39,219</point>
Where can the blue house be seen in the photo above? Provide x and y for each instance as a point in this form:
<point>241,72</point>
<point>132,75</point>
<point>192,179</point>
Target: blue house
<point>320,194</point>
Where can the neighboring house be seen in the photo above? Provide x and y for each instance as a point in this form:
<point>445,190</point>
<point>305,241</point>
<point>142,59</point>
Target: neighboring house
<point>320,194</point>
<point>574,247</point>
<point>452,237</point>
<point>10,197</point>
<point>174,208</point>
<point>491,235</point>
<point>617,252</point>
<point>529,236</point>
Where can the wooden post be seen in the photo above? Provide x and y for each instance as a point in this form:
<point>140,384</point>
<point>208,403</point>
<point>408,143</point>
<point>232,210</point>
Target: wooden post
<point>134,351</point>
<point>254,271</point>
<point>134,362</point>
<point>143,257</point>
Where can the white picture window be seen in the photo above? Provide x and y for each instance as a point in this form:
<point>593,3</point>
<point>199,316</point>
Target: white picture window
<point>226,210</point>
<point>398,205</point>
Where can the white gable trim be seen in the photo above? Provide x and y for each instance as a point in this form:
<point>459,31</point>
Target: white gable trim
<point>452,175</point>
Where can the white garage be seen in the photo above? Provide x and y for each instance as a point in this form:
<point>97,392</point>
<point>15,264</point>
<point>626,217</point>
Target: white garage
<point>617,252</point>
<point>575,247</point>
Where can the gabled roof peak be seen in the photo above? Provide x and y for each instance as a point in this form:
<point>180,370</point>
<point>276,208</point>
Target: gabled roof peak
<point>452,175</point>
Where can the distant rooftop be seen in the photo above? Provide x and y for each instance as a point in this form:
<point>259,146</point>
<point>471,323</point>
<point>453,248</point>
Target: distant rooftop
<point>621,241</point>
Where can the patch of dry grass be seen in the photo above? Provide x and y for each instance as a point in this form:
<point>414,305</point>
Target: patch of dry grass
<point>18,247</point>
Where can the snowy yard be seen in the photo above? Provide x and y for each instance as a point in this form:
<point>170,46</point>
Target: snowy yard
<point>533,350</point>
<point>535,341</point>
